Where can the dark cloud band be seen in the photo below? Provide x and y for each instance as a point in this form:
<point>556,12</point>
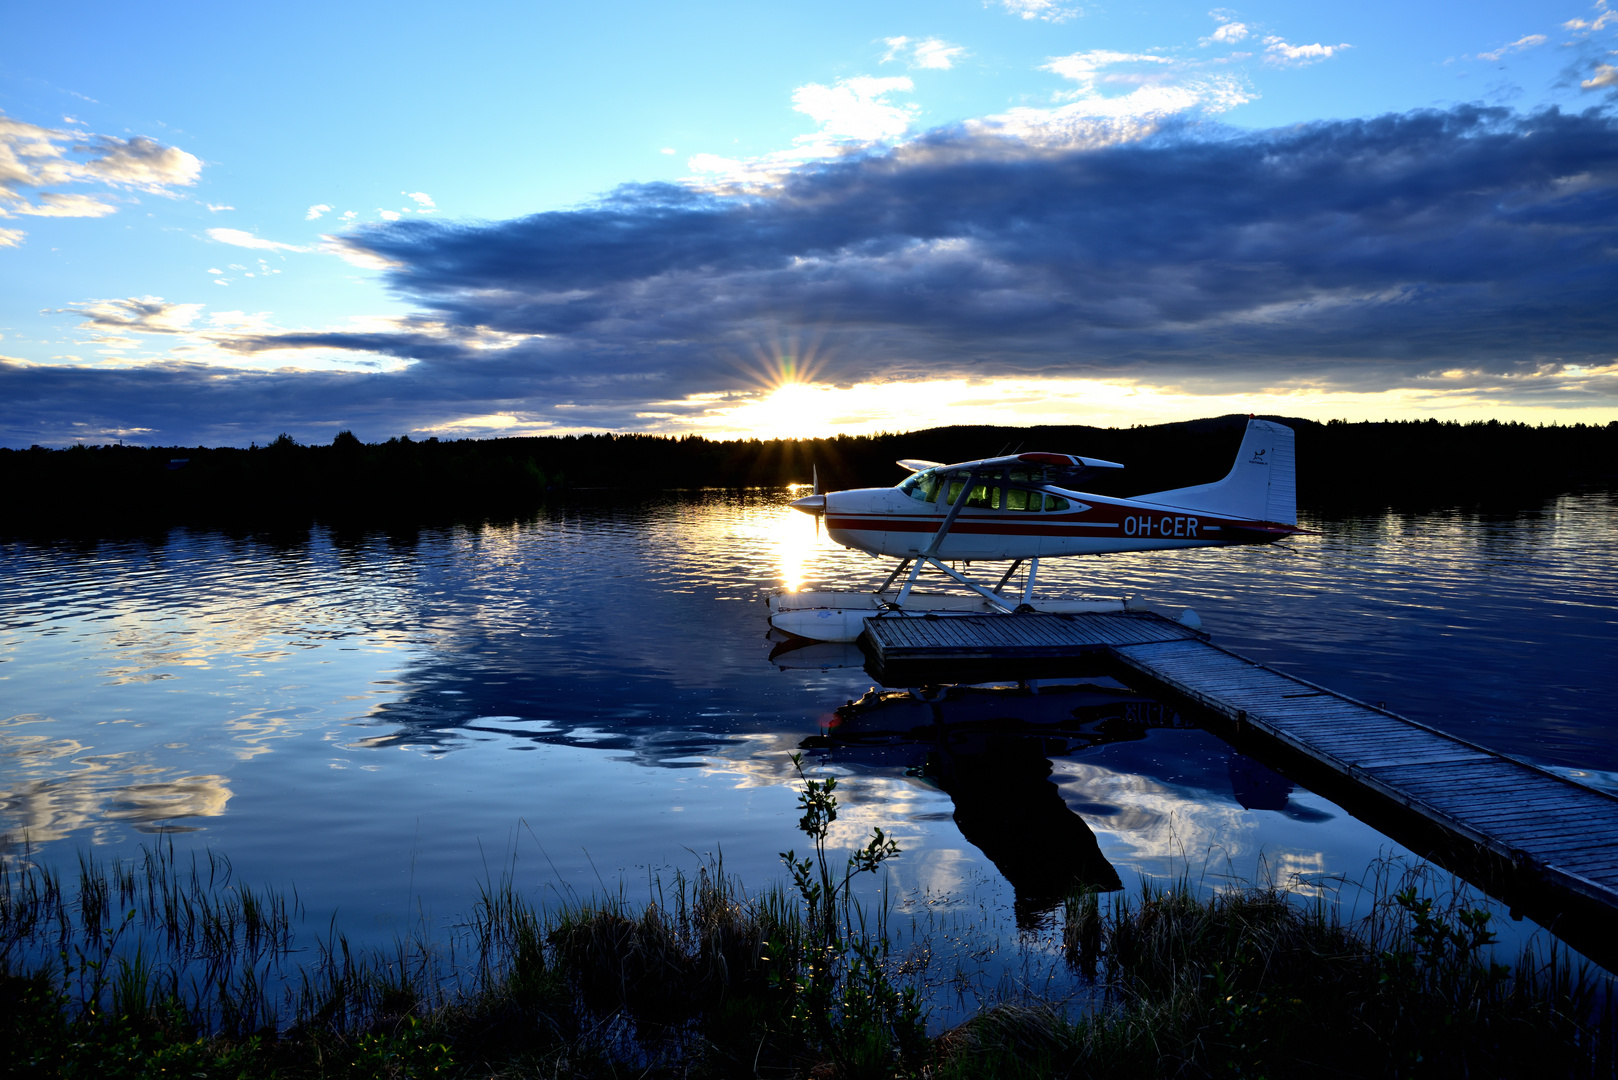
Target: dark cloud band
<point>1363,254</point>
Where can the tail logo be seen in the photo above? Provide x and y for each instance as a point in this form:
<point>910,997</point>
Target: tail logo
<point>1258,458</point>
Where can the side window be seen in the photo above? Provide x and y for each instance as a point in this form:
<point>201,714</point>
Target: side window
<point>1054,503</point>
<point>978,498</point>
<point>1018,499</point>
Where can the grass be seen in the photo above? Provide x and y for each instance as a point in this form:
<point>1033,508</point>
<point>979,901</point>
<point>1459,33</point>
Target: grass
<point>165,968</point>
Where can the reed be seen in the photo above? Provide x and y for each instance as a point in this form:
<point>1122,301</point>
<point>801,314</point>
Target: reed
<point>163,966</point>
<point>1253,982</point>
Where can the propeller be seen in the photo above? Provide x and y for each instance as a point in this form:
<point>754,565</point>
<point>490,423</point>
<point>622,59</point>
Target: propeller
<point>812,504</point>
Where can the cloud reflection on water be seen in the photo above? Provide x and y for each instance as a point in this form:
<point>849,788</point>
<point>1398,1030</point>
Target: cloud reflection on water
<point>90,793</point>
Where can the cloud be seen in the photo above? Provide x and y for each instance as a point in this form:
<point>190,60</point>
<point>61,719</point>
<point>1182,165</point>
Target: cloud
<point>1085,68</point>
<point>33,158</point>
<point>1228,34</point>
<point>141,163</point>
<point>856,108</point>
<point>1600,22</point>
<point>240,238</point>
<point>1278,52</point>
<point>216,207</point>
<point>52,204</point>
<point>854,115</point>
<point>421,198</point>
<point>1522,43</point>
<point>1367,244</point>
<point>353,253</point>
<point>930,52</point>
<point>1467,250</point>
<point>1159,89</point>
<point>145,314</point>
<point>315,212</point>
<point>1044,10</point>
<point>11,237</point>
<point>1605,75</point>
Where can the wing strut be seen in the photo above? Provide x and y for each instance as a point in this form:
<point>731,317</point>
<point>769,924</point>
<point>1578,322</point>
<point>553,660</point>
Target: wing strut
<point>928,555</point>
<point>949,518</point>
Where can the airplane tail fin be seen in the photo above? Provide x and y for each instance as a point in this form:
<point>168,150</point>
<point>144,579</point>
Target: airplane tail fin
<point>1261,485</point>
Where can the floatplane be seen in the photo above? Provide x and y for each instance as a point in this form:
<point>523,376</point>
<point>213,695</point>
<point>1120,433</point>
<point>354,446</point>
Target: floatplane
<point>1023,508</point>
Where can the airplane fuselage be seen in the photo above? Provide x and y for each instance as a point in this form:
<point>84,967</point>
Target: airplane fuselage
<point>891,521</point>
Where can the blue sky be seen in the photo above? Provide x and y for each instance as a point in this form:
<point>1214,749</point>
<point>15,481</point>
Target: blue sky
<point>220,223</point>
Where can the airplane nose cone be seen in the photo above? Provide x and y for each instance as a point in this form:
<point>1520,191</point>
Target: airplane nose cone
<point>810,504</point>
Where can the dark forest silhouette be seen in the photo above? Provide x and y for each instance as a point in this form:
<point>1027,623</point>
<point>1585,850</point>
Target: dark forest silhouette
<point>1341,466</point>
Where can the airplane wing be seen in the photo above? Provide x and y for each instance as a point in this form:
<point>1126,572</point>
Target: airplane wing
<point>917,464</point>
<point>1060,463</point>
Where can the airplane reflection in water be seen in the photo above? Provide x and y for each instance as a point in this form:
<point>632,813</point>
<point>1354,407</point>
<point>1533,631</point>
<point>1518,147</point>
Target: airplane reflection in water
<point>990,749</point>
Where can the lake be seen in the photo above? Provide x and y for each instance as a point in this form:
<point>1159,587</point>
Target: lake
<point>585,699</point>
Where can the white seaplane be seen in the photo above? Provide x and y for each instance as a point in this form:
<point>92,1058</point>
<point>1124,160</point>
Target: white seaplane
<point>1023,508</point>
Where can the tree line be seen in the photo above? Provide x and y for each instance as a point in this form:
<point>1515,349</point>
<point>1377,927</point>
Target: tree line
<point>1341,465</point>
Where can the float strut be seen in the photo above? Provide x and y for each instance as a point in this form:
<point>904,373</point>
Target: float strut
<point>904,593</point>
<point>893,577</point>
<point>1028,586</point>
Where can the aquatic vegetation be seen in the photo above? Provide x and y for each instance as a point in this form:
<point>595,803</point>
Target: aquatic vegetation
<point>162,967</point>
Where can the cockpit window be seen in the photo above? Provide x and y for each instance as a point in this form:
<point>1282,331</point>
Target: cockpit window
<point>922,485</point>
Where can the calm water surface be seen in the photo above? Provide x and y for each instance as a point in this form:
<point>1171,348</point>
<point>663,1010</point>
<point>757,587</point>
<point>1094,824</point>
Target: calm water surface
<point>383,720</point>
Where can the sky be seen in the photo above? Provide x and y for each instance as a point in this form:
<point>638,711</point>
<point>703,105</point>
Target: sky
<point>219,223</point>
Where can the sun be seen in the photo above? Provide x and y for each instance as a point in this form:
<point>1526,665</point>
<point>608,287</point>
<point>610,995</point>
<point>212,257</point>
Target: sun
<point>793,410</point>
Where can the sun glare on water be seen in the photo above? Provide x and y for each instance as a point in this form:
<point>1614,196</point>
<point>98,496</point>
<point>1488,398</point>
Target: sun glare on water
<point>797,542</point>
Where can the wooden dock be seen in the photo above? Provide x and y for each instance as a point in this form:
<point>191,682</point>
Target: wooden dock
<point>957,638</point>
<point>1532,831</point>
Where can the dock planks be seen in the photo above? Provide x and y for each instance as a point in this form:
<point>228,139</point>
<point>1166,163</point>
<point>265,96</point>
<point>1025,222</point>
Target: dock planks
<point>1559,832</point>
<point>1014,637</point>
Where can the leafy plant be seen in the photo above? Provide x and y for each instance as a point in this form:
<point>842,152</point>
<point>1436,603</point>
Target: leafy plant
<point>842,992</point>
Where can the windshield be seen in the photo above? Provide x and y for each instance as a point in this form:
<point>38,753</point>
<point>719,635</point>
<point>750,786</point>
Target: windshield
<point>922,485</point>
